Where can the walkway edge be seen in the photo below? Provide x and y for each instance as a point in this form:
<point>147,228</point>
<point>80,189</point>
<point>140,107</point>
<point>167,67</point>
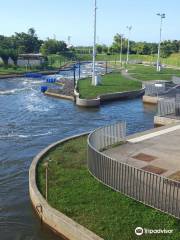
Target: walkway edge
<point>56,220</point>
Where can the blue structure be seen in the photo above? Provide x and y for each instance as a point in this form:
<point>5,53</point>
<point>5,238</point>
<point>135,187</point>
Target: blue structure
<point>44,89</point>
<point>51,80</point>
<point>33,75</point>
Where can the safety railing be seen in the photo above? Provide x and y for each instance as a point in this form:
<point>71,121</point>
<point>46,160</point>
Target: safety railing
<point>151,189</point>
<point>155,89</point>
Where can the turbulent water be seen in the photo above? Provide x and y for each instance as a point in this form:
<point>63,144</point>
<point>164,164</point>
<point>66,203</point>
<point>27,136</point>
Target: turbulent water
<point>29,121</point>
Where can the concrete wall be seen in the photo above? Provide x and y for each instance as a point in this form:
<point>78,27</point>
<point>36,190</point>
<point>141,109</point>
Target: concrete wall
<point>107,97</point>
<point>53,218</point>
<point>30,62</point>
<point>163,121</point>
<point>57,95</point>
<point>150,99</point>
<point>122,95</point>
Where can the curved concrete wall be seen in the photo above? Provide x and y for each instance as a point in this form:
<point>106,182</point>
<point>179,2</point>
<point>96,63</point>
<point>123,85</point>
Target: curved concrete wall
<point>88,102</point>
<point>122,95</point>
<point>60,223</point>
<point>107,97</point>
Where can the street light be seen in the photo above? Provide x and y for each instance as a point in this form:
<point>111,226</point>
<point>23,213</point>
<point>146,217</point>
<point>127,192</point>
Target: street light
<point>121,35</point>
<point>94,45</point>
<point>161,15</point>
<point>129,29</point>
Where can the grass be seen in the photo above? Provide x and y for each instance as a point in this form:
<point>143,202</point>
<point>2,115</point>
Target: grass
<point>57,61</point>
<point>11,70</point>
<point>111,215</point>
<point>146,73</point>
<point>172,60</point>
<point>54,62</point>
<point>113,82</point>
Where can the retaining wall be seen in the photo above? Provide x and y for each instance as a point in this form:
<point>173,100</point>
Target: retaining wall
<point>96,102</point>
<point>57,221</point>
<point>150,99</point>
<point>163,121</point>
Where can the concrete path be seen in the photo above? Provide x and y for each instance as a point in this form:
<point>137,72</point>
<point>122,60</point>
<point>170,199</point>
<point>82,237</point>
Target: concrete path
<point>159,149</point>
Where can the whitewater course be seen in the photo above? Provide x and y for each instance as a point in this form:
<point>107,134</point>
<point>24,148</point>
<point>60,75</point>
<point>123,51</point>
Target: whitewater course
<point>30,121</point>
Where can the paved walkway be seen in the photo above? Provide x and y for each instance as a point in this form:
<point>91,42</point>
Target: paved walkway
<point>157,152</point>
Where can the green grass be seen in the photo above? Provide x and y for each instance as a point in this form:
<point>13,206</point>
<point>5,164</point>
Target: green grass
<point>111,215</point>
<point>172,60</point>
<point>113,82</point>
<point>115,57</point>
<point>11,70</point>
<point>57,61</point>
<point>146,73</point>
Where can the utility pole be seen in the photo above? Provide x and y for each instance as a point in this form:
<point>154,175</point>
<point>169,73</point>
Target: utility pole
<point>121,35</point>
<point>129,29</point>
<point>162,16</point>
<point>94,45</point>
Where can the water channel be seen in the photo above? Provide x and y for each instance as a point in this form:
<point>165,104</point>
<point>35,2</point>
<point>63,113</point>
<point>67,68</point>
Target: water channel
<point>29,121</point>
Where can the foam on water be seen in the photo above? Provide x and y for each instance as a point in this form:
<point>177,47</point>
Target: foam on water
<point>25,136</point>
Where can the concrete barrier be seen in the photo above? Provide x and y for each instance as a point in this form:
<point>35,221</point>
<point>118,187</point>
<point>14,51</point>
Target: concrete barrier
<point>163,121</point>
<point>150,99</point>
<point>122,95</point>
<point>57,221</point>
<point>107,97</point>
<point>57,95</point>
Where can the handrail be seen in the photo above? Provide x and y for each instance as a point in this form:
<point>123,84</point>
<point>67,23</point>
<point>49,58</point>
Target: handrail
<point>149,188</point>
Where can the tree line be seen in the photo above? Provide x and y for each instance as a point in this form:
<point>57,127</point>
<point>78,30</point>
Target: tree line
<point>21,43</point>
<point>24,43</point>
<point>143,48</point>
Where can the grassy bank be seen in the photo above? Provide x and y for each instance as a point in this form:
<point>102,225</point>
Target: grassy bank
<point>111,215</point>
<point>113,82</point>
<point>146,73</point>
<point>173,59</point>
<point>12,70</point>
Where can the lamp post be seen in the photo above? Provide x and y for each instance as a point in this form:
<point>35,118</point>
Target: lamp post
<point>161,15</point>
<point>46,180</point>
<point>94,45</point>
<point>129,29</point>
<point>121,35</point>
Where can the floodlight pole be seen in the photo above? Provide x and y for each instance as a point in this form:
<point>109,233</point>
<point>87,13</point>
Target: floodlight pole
<point>121,50</point>
<point>94,45</point>
<point>162,15</point>
<point>129,28</point>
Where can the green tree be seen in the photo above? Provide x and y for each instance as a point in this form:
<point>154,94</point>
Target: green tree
<point>52,46</point>
<point>13,54</point>
<point>4,54</point>
<point>26,42</point>
<point>99,48</point>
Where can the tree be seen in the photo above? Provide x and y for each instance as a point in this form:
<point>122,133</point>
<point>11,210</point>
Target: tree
<point>26,42</point>
<point>13,54</point>
<point>99,48</point>
<point>4,54</point>
<point>52,46</point>
<point>116,46</point>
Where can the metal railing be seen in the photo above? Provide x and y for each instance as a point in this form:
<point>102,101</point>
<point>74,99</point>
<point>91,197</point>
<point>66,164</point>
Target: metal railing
<point>176,80</point>
<point>166,106</point>
<point>151,189</point>
<point>152,89</point>
<point>169,106</point>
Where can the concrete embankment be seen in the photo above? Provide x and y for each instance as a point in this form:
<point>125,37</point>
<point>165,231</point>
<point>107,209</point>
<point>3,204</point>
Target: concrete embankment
<point>96,102</point>
<point>56,220</point>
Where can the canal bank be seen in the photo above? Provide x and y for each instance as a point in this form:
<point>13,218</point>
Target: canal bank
<point>30,124</point>
<point>68,170</point>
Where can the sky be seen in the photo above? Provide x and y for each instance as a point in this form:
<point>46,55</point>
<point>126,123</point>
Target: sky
<point>63,18</point>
